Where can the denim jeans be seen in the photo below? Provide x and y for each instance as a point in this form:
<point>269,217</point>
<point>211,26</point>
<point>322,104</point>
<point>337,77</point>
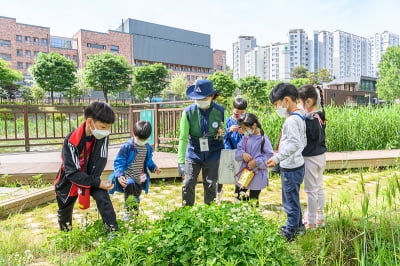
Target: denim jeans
<point>291,181</point>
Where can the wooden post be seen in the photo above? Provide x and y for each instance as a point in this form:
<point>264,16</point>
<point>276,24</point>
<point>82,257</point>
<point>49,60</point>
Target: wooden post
<point>26,128</point>
<point>156,129</point>
<point>131,119</point>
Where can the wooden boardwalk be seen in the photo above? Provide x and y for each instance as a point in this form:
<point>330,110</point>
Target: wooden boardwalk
<point>22,166</point>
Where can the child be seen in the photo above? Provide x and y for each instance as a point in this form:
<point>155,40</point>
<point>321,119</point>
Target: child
<point>131,166</point>
<point>200,142</point>
<point>233,133</point>
<point>253,150</point>
<point>292,142</point>
<point>84,156</point>
<point>314,155</point>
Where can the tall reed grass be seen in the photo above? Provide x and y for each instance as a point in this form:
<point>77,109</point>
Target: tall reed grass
<point>349,128</point>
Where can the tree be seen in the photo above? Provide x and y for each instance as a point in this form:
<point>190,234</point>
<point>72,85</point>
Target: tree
<point>107,72</point>
<point>324,75</point>
<point>149,80</point>
<point>177,85</point>
<point>299,72</point>
<point>7,77</point>
<point>388,86</point>
<point>53,72</point>
<point>254,90</point>
<point>79,89</point>
<point>225,84</point>
<point>301,82</point>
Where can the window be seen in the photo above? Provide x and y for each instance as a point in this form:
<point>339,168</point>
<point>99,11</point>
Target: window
<point>36,40</point>
<point>35,53</point>
<point>97,46</point>
<point>75,58</point>
<point>20,52</point>
<point>67,56</point>
<point>27,53</point>
<point>114,48</point>
<point>60,43</point>
<point>5,43</point>
<point>19,38</point>
<point>20,65</point>
<point>27,39</point>
<point>6,57</point>
<point>27,65</point>
<point>44,42</point>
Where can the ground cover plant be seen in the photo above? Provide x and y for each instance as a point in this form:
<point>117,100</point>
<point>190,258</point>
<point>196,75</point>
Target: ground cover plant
<point>361,229</point>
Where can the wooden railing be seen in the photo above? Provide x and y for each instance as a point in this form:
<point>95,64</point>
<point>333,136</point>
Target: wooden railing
<point>166,121</point>
<point>27,126</point>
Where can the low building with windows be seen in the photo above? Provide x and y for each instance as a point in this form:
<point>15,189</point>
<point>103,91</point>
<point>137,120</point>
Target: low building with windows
<point>181,51</point>
<point>351,91</point>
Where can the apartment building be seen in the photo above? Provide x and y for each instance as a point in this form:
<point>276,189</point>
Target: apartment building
<point>325,53</point>
<point>379,43</point>
<point>240,48</point>
<point>351,55</point>
<point>298,49</point>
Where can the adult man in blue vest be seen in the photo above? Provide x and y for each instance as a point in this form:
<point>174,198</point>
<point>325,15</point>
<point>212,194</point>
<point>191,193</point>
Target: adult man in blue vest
<point>200,142</point>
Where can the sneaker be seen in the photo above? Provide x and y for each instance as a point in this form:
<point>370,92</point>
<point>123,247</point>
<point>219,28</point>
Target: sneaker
<point>301,230</point>
<point>288,235</point>
<point>310,227</point>
<point>320,223</point>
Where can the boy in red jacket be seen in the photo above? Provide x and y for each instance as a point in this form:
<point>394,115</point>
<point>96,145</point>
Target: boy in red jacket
<point>84,156</point>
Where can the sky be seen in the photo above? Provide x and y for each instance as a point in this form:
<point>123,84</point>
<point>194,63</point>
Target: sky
<point>268,21</point>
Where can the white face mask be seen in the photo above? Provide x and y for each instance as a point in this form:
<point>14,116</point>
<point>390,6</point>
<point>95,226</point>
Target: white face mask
<point>140,142</point>
<point>203,104</point>
<point>249,132</point>
<point>282,111</point>
<point>100,134</point>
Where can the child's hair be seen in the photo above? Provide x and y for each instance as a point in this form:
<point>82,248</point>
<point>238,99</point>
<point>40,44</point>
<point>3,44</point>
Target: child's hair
<point>240,103</point>
<point>248,119</point>
<point>314,93</point>
<point>282,90</point>
<point>100,111</point>
<point>142,129</point>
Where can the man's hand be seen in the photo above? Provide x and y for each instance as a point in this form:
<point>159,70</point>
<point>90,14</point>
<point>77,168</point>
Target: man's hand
<point>181,169</point>
<point>106,185</point>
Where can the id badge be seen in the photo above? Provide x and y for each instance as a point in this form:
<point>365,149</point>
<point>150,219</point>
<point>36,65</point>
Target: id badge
<point>204,144</point>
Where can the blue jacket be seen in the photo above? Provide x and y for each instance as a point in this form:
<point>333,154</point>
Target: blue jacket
<point>231,139</point>
<point>125,156</point>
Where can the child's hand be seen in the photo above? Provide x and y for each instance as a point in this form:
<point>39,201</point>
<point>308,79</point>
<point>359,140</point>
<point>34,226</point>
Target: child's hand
<point>270,163</point>
<point>122,181</point>
<point>240,131</point>
<point>246,157</point>
<point>157,171</point>
<point>252,164</point>
<point>106,185</point>
<point>234,128</point>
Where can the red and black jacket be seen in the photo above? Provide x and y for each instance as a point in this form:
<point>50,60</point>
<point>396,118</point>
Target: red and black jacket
<point>71,176</point>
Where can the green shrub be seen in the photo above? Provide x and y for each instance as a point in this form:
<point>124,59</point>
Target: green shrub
<point>227,234</point>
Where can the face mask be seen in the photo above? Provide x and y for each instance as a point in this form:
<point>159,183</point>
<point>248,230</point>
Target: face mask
<point>100,134</point>
<point>248,132</point>
<point>140,142</point>
<point>203,104</point>
<point>282,111</point>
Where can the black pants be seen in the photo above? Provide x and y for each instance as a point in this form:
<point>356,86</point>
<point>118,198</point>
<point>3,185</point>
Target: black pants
<point>104,206</point>
<point>254,194</point>
<point>134,190</point>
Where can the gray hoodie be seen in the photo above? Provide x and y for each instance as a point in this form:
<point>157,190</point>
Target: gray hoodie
<point>292,142</point>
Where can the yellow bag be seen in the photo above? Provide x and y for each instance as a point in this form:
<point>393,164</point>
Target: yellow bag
<point>245,178</point>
